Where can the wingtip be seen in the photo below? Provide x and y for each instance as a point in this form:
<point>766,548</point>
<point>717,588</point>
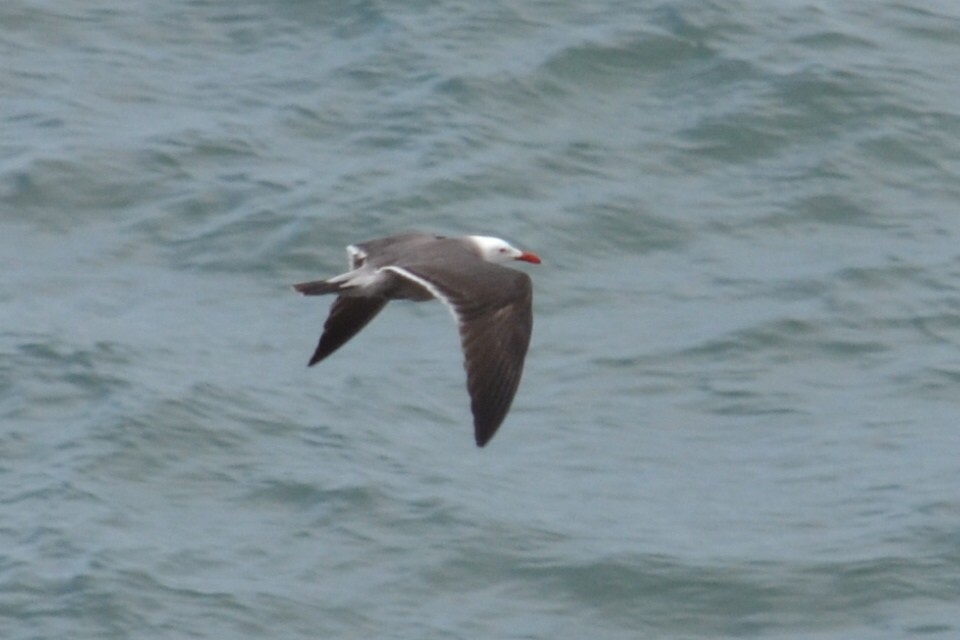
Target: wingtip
<point>482,437</point>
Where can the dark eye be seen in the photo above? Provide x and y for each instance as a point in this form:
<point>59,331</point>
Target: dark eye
<point>502,249</point>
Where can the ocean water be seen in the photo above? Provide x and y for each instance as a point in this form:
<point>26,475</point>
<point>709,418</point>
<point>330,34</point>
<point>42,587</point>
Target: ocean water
<point>740,416</point>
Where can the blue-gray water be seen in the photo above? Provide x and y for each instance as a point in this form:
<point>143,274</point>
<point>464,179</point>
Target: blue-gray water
<point>740,416</point>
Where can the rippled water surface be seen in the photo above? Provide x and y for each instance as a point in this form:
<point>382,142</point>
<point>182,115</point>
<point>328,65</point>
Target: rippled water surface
<point>740,411</point>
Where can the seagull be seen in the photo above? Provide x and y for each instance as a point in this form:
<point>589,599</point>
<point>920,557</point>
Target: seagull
<point>490,303</point>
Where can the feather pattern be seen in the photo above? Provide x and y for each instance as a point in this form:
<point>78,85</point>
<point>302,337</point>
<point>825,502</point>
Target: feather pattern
<point>492,305</point>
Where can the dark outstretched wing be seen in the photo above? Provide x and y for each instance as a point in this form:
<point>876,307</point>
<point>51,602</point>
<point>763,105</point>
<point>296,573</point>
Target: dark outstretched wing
<point>495,344</point>
<point>493,307</point>
<point>347,317</point>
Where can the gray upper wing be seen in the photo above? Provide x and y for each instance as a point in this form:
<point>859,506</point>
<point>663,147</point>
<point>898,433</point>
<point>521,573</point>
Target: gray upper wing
<point>493,306</point>
<point>393,249</point>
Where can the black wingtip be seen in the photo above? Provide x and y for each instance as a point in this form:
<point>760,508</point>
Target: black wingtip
<point>483,436</point>
<point>317,356</point>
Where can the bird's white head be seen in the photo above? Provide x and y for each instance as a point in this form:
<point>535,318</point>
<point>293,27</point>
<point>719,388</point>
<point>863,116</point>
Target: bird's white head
<point>496,250</point>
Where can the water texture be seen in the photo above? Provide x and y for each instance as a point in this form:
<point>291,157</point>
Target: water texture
<point>739,417</point>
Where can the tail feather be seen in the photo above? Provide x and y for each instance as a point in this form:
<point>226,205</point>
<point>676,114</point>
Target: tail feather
<point>317,287</point>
